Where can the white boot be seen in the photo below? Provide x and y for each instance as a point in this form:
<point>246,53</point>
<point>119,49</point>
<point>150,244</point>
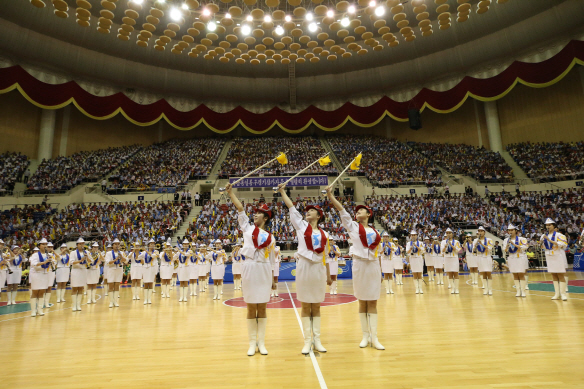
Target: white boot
<point>456,284</point>
<point>63,295</point>
<point>567,283</point>
<point>93,296</point>
<point>526,282</point>
<point>557,290</point>
<point>441,278</point>
<point>180,291</point>
<point>133,293</point>
<point>390,286</point>
<point>111,300</point>
<point>33,306</point>
<point>484,283</point>
<point>449,283</point>
<point>420,282</point>
<point>307,334</point>
<point>106,288</point>
<point>47,300</point>
<point>74,303</point>
<point>316,334</point>
<point>146,293</point>
<point>417,286</point>
<point>373,324</point>
<point>221,292</point>
<point>522,285</point>
<point>186,289</point>
<point>485,286</point>
<point>59,295</point>
<point>116,298</point>
<point>14,292</point>
<point>195,286</point>
<point>386,282</point>
<point>252,332</point>
<point>517,288</point>
<point>262,335</point>
<point>79,298</point>
<point>563,287</point>
<point>364,329</point>
<point>215,292</point>
<point>490,286</point>
<point>40,307</point>
<point>8,297</point>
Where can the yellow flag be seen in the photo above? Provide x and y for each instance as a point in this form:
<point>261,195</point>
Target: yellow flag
<point>324,161</point>
<point>356,162</point>
<point>282,159</point>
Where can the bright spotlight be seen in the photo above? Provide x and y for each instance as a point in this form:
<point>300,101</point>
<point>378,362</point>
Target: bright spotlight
<point>345,22</point>
<point>175,14</point>
<point>312,27</point>
<point>380,11</point>
<point>330,13</point>
<point>245,29</point>
<point>267,18</point>
<point>309,17</point>
<point>211,26</point>
<point>280,30</point>
<point>351,9</point>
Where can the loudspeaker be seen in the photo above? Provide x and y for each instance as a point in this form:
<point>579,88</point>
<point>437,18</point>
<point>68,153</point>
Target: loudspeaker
<point>415,119</point>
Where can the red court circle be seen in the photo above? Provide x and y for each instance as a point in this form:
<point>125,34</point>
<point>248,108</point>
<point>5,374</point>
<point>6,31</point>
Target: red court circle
<point>284,301</point>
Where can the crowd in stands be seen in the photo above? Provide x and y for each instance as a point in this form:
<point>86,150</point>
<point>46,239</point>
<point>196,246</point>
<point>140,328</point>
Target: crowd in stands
<point>13,166</point>
<point>63,173</point>
<point>167,165</point>
<point>246,154</point>
<point>14,221</point>
<point>385,162</point>
<point>477,162</point>
<point>550,161</point>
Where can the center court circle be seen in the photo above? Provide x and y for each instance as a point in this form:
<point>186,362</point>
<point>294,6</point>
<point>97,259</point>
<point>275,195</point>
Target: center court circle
<point>284,301</point>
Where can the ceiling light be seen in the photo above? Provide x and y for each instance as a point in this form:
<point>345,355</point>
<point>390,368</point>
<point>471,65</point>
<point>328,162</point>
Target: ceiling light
<point>345,22</point>
<point>279,30</point>
<point>227,15</point>
<point>330,13</point>
<point>138,1</point>
<point>351,9</point>
<point>312,27</point>
<point>185,6</point>
<point>380,11</point>
<point>245,29</point>
<point>372,3</point>
<point>249,18</point>
<point>211,26</point>
<point>309,17</point>
<point>267,18</point>
<point>206,12</point>
<point>175,14</point>
<point>287,18</point>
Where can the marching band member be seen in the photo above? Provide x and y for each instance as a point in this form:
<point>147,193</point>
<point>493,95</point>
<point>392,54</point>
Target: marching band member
<point>78,261</point>
<point>237,259</point>
<point>438,259</point>
<point>218,258</point>
<point>63,272</point>
<point>516,247</point>
<point>276,271</point>
<point>397,262</point>
<point>166,270</point>
<point>257,273</point>
<point>202,267</point>
<point>429,258</point>
<point>450,247</point>
<point>333,261</point>
<point>50,274</point>
<point>149,261</point>
<point>39,263</point>
<point>471,260</point>
<point>483,247</point>
<point>312,270</point>
<point>114,261</point>
<point>415,249</point>
<point>553,243</point>
<point>366,267</point>
<point>193,269</point>
<point>94,260</point>
<point>136,270</point>
<point>182,257</point>
<point>386,262</point>
<point>14,276</point>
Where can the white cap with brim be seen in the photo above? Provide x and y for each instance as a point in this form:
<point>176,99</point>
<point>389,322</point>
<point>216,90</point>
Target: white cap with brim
<point>482,229</point>
<point>385,233</point>
<point>549,221</point>
<point>63,246</point>
<point>511,227</point>
<point>449,230</point>
<point>35,249</point>
<point>414,232</point>
<point>50,244</point>
<point>80,240</point>
<point>116,241</point>
<point>185,242</point>
<point>95,244</point>
<point>43,241</point>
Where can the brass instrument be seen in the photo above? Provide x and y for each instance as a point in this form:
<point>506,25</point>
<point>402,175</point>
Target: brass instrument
<point>6,257</point>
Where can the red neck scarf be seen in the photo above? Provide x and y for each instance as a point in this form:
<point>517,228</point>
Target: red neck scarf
<point>308,239</point>
<point>254,237</point>
<point>363,237</point>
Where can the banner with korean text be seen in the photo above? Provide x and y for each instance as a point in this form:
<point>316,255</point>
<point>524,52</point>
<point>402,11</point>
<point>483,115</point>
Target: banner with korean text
<point>269,182</point>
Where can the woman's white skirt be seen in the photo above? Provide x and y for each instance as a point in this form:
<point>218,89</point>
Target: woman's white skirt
<point>149,273</point>
<point>366,279</point>
<point>417,264</point>
<point>93,276</point>
<point>472,260</point>
<point>429,260</point>
<point>207,268</point>
<point>485,264</point>
<point>451,264</point>
<point>334,268</point>
<point>310,281</point>
<point>3,278</point>
<point>193,271</point>
<point>256,280</point>
<point>555,263</point>
<point>63,274</point>
<point>78,278</point>
<point>217,272</point>
<point>51,279</point>
<point>38,281</point>
<point>115,275</point>
<point>15,277</point>
<point>398,263</point>
<point>183,274</point>
<point>516,264</point>
<point>387,266</point>
<point>438,262</point>
<point>236,267</point>
<point>276,269</point>
<point>136,272</point>
<point>166,272</point>
<point>202,270</point>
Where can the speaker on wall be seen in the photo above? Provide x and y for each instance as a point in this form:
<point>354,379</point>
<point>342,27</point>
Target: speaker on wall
<point>415,119</point>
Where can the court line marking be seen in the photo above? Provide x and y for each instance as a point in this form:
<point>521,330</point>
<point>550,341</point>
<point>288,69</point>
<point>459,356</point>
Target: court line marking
<point>46,313</point>
<point>312,357</point>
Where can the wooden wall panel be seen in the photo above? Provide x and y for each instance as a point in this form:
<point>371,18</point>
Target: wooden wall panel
<point>19,124</point>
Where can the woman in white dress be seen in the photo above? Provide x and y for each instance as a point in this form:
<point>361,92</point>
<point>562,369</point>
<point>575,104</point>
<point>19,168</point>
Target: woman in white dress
<point>333,262</point>
<point>166,269</point>
<point>438,260</point>
<point>202,268</point>
<point>415,250</point>
<point>397,262</point>
<point>257,274</point>
<point>237,260</point>
<point>482,248</point>
<point>182,257</point>
<point>516,248</point>
<point>386,262</point>
<point>471,260</point>
<point>79,262</point>
<point>553,243</point>
<point>149,260</point>
<point>312,269</point>
<point>136,270</point>
<point>276,271</point>
<point>51,274</point>
<point>193,269</point>
<point>450,248</point>
<point>63,272</point>
<point>429,258</point>
<point>366,267</point>
<point>39,263</point>
<point>94,264</point>
<point>15,262</point>
<point>218,259</point>
<point>114,261</point>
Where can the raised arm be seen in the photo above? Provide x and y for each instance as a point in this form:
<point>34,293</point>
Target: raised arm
<point>234,199</point>
<point>333,199</point>
<point>285,198</point>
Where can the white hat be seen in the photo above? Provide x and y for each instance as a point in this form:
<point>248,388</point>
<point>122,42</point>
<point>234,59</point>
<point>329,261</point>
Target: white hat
<point>151,241</point>
<point>95,244</point>
<point>449,230</point>
<point>116,241</point>
<point>394,238</point>
<point>35,249</point>
<point>435,237</point>
<point>14,247</point>
<point>109,245</point>
<point>426,237</point>
<point>43,241</point>
<point>481,228</point>
<point>63,246</point>
<point>80,240</point>
<point>511,227</point>
<point>385,233</point>
<point>50,244</point>
<point>167,245</point>
<point>185,241</point>
<point>549,221</point>
<point>414,232</point>
<point>1,241</point>
<point>217,241</point>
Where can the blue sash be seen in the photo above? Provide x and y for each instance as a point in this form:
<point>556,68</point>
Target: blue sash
<point>513,249</point>
<point>547,243</point>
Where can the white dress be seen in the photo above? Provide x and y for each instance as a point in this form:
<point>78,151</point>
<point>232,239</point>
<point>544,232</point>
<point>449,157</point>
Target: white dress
<point>135,266</point>
<point>93,271</point>
<point>193,267</point>
<point>555,257</point>
<point>63,268</point>
<point>333,261</point>
<point>202,265</point>
<point>150,267</point>
<point>438,256</point>
<point>396,258</point>
<point>256,271</point>
<point>416,250</point>
<point>278,259</point>
<point>114,266</point>
<point>366,266</point>
<point>183,267</point>
<point>166,266</point>
<point>15,266</point>
<point>311,267</point>
<point>208,258</point>
<point>237,263</point>
<point>517,256</point>
<point>79,270</point>
<point>218,265</point>
<point>484,257</point>
<point>471,258</point>
<point>451,264</point>
<point>385,254</point>
<point>38,276</point>
<point>428,255</point>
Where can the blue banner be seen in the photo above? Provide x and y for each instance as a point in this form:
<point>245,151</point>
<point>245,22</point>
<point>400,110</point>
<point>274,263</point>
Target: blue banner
<point>269,182</point>
<point>288,272</point>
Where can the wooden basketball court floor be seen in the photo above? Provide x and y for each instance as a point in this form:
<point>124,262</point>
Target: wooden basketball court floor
<point>434,340</point>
